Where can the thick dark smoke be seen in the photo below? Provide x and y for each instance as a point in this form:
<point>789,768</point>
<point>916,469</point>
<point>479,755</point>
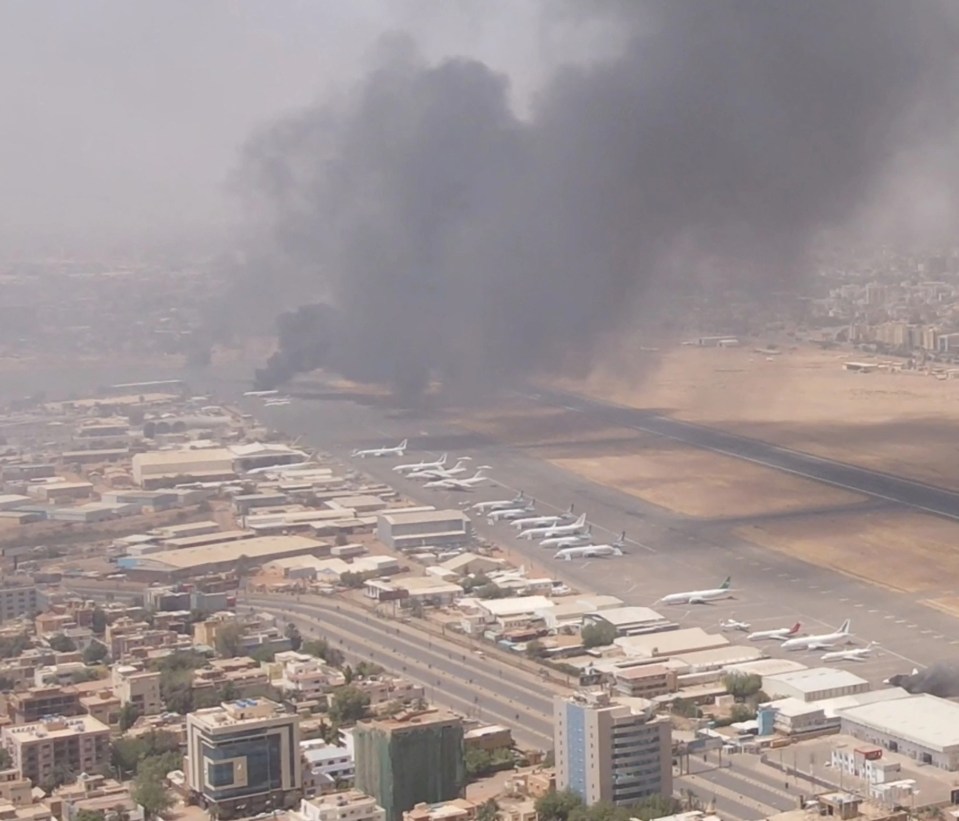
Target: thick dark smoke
<point>459,241</point>
<point>939,680</point>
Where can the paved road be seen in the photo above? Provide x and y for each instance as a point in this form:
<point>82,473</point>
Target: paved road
<point>486,687</point>
<point>879,485</point>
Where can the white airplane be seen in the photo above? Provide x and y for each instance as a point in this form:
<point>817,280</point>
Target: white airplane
<point>461,484</point>
<point>281,467</point>
<point>821,642</point>
<point>733,624</point>
<point>780,633</point>
<point>550,531</point>
<point>543,521</point>
<point>589,551</point>
<point>260,393</point>
<point>440,472</point>
<point>399,450</point>
<point>858,654</point>
<point>278,402</point>
<point>500,504</point>
<point>700,596</point>
<point>421,465</point>
<point>505,514</point>
<point>572,540</point>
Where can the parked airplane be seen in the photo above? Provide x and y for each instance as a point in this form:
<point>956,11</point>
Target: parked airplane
<point>732,624</point>
<point>821,642</point>
<point>780,633</point>
<point>581,539</point>
<point>700,596</point>
<point>282,467</point>
<point>505,514</point>
<point>589,551</point>
<point>858,654</point>
<point>461,484</point>
<point>260,393</point>
<point>442,473</point>
<point>399,450</point>
<point>500,504</point>
<point>421,465</point>
<point>549,531</point>
<point>543,521</point>
<point>278,402</point>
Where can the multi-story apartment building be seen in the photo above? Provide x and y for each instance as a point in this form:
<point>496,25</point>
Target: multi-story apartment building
<point>138,687</point>
<point>42,749</point>
<point>26,706</point>
<point>610,752</point>
<point>243,757</point>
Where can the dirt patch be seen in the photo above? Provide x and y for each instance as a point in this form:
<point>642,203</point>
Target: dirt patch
<point>948,605</point>
<point>907,551</point>
<point>674,476</point>
<point>902,422</point>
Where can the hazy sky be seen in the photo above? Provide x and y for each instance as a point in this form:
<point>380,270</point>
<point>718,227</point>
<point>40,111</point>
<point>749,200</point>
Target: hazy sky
<point>122,120</point>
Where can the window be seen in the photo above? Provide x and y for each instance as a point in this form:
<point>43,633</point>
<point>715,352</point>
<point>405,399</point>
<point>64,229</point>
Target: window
<point>219,775</point>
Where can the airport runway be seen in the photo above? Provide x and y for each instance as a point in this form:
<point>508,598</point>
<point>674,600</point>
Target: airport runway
<point>666,553</point>
<point>879,485</point>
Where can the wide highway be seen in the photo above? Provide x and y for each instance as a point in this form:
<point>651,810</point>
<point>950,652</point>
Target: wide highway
<point>451,675</point>
<point>879,485</point>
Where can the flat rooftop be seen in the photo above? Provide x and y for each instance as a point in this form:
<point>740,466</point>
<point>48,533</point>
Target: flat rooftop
<point>423,517</point>
<point>257,548</point>
<point>815,679</point>
<point>925,720</point>
<point>58,728</point>
<point>414,720</point>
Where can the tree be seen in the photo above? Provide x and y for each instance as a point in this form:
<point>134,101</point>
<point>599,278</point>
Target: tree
<point>332,734</point>
<point>536,649</point>
<point>488,810</point>
<point>129,753</point>
<point>656,806</point>
<point>89,815</point>
<point>11,646</point>
<point>98,622</point>
<point>490,591</point>
<point>292,632</point>
<point>150,792</point>
<point>129,714</point>
<point>61,643</point>
<point>741,712</point>
<point>350,704</point>
<point>742,685</point>
<point>321,649</point>
<point>685,707</point>
<point>478,762</point>
<point>600,811</point>
<point>95,653</point>
<point>229,641</point>
<point>598,635</point>
<point>557,805</point>
<point>354,581</point>
<point>368,668</point>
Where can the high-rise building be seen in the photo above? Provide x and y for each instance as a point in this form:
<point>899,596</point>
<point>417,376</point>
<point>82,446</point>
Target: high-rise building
<point>243,757</point>
<point>609,751</point>
<point>410,758</point>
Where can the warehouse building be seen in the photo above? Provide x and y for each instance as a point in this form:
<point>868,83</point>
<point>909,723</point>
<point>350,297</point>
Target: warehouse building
<point>190,562</point>
<point>670,643</point>
<point>630,621</point>
<point>163,468</point>
<point>923,727</point>
<point>405,530</point>
<point>814,684</point>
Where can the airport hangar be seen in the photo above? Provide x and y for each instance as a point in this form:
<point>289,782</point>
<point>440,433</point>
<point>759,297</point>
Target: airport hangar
<point>190,562</point>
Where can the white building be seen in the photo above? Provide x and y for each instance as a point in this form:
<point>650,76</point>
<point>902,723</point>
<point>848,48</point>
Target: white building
<point>814,684</point>
<point>923,727</point>
<point>306,675</point>
<point>351,805</point>
<point>327,765</point>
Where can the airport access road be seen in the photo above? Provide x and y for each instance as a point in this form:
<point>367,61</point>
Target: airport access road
<point>877,484</point>
<point>484,687</point>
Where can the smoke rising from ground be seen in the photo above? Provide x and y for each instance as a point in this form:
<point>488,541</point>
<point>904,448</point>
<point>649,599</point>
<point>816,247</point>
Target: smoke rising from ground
<point>939,680</point>
<point>456,239</point>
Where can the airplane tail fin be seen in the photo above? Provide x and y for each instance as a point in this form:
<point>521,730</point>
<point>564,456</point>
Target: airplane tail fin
<point>442,460</point>
<point>403,444</point>
<point>617,551</point>
<point>794,629</point>
<point>846,626</point>
<point>581,520</point>
<point>726,583</point>
<point>621,540</point>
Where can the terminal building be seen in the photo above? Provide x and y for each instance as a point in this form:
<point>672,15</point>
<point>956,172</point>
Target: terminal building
<point>614,752</point>
<point>243,757</point>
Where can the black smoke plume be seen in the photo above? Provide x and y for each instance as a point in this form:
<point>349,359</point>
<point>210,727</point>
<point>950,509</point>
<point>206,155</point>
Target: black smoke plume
<point>459,241</point>
<point>939,680</point>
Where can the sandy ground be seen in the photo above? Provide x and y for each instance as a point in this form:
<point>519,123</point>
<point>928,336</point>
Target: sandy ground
<point>903,423</point>
<point>899,549</point>
<point>683,479</point>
